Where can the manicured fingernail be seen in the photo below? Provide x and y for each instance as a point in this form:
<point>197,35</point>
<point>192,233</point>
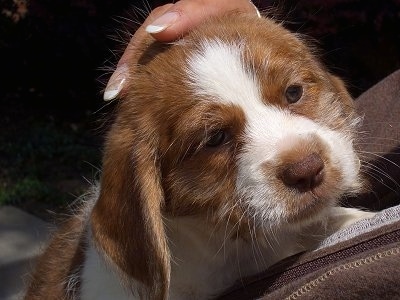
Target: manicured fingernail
<point>163,22</point>
<point>255,7</point>
<point>116,82</point>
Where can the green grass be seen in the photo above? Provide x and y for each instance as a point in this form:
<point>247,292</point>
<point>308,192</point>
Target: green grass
<point>25,188</point>
<point>37,158</point>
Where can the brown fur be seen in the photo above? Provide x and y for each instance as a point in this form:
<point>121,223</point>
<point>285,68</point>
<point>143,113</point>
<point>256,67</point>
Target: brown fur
<point>62,259</point>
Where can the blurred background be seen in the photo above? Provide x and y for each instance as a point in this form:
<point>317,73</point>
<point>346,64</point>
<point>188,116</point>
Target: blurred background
<point>52,59</point>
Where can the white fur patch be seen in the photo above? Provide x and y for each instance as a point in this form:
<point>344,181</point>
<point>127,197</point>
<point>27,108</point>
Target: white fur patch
<point>206,260</point>
<point>218,70</point>
<point>99,281</point>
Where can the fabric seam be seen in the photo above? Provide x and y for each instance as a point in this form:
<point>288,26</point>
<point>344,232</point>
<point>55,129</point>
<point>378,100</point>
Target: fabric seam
<point>306,288</point>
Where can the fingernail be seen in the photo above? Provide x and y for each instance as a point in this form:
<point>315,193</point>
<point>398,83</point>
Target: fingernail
<point>255,7</point>
<point>116,82</point>
<point>257,12</point>
<point>163,22</point>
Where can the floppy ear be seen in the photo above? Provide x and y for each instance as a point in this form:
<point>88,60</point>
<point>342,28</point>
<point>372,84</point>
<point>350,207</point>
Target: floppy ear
<point>126,220</point>
<point>340,87</point>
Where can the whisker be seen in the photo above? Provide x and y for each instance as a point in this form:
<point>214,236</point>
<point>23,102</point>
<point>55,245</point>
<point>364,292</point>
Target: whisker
<point>381,122</point>
<point>226,234</point>
<point>375,175</point>
<point>375,167</point>
<point>371,190</point>
<point>381,157</point>
<point>374,138</point>
<point>253,248</point>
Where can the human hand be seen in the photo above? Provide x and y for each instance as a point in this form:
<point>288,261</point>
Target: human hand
<point>167,23</point>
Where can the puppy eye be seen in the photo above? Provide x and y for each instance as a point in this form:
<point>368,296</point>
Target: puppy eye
<point>293,93</point>
<point>217,138</point>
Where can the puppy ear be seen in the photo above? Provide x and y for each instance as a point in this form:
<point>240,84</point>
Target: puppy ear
<point>341,89</point>
<point>126,220</point>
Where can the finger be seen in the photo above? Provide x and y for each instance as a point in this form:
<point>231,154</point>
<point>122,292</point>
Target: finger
<point>116,83</point>
<point>184,15</point>
<point>167,23</point>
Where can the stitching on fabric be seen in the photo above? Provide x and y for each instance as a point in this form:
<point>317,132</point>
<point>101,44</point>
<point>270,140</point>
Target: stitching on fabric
<point>306,288</point>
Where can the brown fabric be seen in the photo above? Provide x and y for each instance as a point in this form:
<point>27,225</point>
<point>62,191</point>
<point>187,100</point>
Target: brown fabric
<point>380,137</point>
<point>365,266</point>
<point>381,107</point>
<point>372,274</point>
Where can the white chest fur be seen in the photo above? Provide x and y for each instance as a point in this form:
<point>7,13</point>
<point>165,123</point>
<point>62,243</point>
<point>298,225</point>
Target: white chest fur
<point>205,261</point>
<point>99,281</point>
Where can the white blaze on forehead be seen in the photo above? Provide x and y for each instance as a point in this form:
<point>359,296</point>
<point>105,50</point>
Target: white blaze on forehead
<point>218,70</point>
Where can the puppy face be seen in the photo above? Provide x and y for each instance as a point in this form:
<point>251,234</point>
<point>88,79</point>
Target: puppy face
<point>250,125</point>
<point>245,122</point>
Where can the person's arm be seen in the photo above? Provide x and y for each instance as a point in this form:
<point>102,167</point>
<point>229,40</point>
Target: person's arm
<point>167,23</point>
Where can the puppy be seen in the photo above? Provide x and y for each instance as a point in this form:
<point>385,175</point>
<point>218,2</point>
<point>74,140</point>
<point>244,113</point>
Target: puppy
<point>228,153</point>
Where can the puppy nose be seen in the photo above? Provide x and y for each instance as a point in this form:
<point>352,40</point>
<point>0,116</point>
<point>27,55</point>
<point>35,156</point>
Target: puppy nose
<point>304,174</point>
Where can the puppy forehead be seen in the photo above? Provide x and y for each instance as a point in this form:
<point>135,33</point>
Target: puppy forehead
<point>224,72</point>
<point>218,71</point>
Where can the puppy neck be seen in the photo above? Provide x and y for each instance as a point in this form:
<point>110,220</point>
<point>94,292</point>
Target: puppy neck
<point>205,260</point>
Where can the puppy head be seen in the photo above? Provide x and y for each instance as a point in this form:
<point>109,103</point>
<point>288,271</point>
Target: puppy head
<point>237,121</point>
